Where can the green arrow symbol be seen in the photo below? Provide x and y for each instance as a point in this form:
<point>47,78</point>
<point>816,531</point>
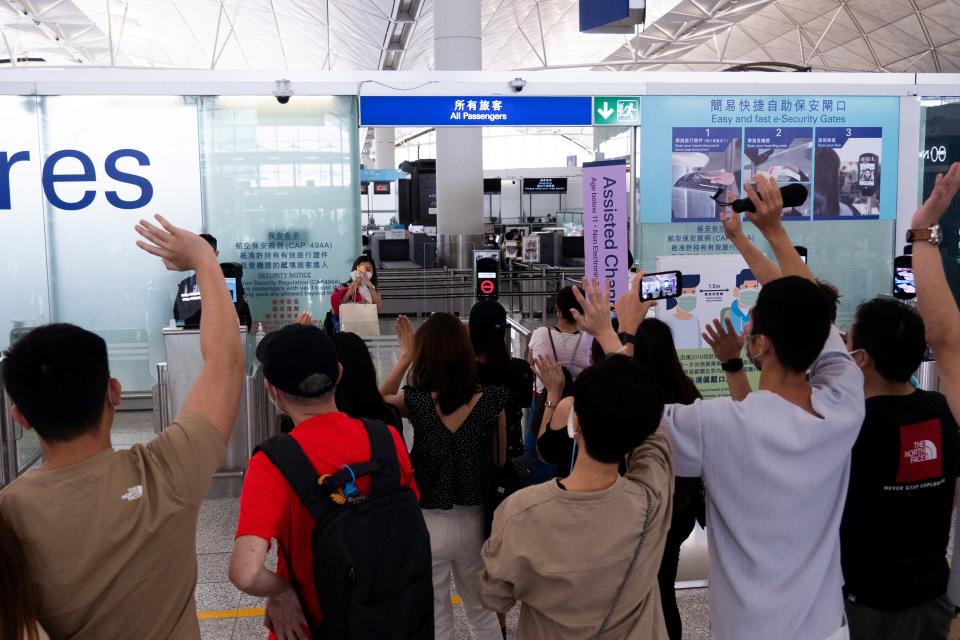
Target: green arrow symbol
<point>606,112</point>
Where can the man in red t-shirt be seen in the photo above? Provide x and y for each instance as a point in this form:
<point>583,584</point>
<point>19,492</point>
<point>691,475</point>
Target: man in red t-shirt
<point>301,371</point>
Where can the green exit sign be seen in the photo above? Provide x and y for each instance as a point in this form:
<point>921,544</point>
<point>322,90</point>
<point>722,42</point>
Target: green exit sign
<point>616,110</point>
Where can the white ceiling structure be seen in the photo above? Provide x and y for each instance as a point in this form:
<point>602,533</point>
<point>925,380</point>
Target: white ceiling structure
<point>703,35</point>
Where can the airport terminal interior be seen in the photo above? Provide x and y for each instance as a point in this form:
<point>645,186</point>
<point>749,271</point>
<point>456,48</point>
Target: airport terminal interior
<point>464,151</point>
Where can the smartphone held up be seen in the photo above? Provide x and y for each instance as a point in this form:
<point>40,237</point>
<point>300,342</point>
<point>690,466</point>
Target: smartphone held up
<point>660,286</point>
<point>904,287</point>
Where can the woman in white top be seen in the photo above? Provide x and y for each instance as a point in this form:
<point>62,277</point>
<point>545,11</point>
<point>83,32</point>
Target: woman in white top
<point>563,342</point>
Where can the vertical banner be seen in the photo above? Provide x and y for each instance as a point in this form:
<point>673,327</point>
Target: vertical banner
<point>605,219</point>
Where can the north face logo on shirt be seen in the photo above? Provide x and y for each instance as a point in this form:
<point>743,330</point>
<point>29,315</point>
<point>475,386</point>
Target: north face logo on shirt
<point>133,493</point>
<point>920,446</point>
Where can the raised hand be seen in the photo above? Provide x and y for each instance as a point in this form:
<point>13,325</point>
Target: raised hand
<point>944,189</point>
<point>723,339</point>
<point>730,219</point>
<point>595,301</point>
<point>179,249</point>
<point>405,335</point>
<point>550,373</point>
<point>305,318</point>
<point>768,203</point>
<point>631,310</point>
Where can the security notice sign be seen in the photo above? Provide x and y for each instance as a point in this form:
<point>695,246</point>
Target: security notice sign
<point>605,220</point>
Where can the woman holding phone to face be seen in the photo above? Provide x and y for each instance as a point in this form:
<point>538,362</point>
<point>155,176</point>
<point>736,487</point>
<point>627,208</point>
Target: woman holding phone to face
<point>361,288</point>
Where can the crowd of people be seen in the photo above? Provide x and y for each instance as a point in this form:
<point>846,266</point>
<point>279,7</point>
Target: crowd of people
<point>827,492</point>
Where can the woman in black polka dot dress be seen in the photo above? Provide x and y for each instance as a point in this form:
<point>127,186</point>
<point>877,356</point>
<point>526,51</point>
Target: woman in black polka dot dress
<point>455,423</point>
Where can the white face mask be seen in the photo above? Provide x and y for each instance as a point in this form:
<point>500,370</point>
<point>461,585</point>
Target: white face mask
<point>276,404</point>
<point>571,431</point>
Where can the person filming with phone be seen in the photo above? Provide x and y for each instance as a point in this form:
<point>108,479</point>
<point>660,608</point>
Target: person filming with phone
<point>360,288</point>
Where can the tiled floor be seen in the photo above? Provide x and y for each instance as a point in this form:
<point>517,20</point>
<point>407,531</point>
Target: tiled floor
<point>215,593</point>
<point>238,616</point>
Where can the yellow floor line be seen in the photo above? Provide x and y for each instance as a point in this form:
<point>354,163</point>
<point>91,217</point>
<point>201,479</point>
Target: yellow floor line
<point>226,614</point>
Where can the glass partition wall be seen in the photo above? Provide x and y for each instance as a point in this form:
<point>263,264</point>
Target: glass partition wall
<point>78,172</point>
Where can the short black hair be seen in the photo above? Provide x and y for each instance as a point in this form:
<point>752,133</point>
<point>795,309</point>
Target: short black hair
<point>618,405</point>
<point>833,295</point>
<point>794,313</point>
<point>893,334</point>
<point>210,240</point>
<point>566,301</point>
<point>57,376</point>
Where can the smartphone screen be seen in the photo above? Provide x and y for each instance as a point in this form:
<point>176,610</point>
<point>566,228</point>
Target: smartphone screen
<point>904,287</point>
<point>232,287</point>
<point>660,286</point>
<point>803,253</point>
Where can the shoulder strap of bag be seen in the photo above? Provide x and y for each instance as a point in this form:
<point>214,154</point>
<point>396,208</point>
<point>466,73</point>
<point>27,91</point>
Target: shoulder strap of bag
<point>576,349</point>
<point>383,468</point>
<point>630,570</point>
<point>288,457</point>
<point>552,345</point>
<point>383,454</point>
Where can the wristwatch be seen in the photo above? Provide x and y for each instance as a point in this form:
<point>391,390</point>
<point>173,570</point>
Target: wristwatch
<point>732,365</point>
<point>550,405</point>
<point>933,235</point>
<point>627,338</point>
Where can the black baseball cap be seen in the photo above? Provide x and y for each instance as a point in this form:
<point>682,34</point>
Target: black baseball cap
<point>299,360</point>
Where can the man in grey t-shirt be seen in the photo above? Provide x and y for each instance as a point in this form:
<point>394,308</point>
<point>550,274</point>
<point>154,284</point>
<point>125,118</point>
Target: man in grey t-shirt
<point>776,461</point>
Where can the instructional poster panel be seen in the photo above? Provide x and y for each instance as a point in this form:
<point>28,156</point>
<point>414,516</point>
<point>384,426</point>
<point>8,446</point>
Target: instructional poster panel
<point>713,286</point>
<point>695,149</point>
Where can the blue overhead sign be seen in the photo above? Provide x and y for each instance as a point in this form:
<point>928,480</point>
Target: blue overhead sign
<point>598,13</point>
<point>480,111</point>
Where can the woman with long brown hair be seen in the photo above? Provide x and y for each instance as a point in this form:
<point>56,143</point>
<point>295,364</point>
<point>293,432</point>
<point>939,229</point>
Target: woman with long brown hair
<point>456,425</point>
<point>18,613</point>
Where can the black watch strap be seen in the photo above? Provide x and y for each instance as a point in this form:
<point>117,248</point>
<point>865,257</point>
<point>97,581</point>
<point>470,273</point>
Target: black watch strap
<point>732,365</point>
<point>627,338</point>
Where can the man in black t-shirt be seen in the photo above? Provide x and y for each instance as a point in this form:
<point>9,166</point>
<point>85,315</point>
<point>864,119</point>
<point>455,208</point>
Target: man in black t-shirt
<point>186,306</point>
<point>896,523</point>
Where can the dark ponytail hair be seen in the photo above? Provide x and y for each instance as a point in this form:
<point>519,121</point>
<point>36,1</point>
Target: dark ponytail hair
<point>488,330</point>
<point>672,381</point>
<point>18,613</point>
<point>357,394</point>
<point>567,301</point>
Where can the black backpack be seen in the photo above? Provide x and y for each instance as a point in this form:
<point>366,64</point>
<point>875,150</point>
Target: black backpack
<point>371,555</point>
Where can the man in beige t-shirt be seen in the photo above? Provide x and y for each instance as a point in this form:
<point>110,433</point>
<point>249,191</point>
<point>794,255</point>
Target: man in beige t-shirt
<point>111,535</point>
<point>565,548</point>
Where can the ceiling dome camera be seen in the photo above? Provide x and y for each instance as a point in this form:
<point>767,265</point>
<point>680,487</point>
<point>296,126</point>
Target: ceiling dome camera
<point>282,91</point>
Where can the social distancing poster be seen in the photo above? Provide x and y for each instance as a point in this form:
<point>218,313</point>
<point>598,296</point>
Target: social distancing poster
<point>712,287</point>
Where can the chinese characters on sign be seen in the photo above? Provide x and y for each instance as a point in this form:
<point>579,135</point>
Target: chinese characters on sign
<point>283,272</point>
<point>709,238</point>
